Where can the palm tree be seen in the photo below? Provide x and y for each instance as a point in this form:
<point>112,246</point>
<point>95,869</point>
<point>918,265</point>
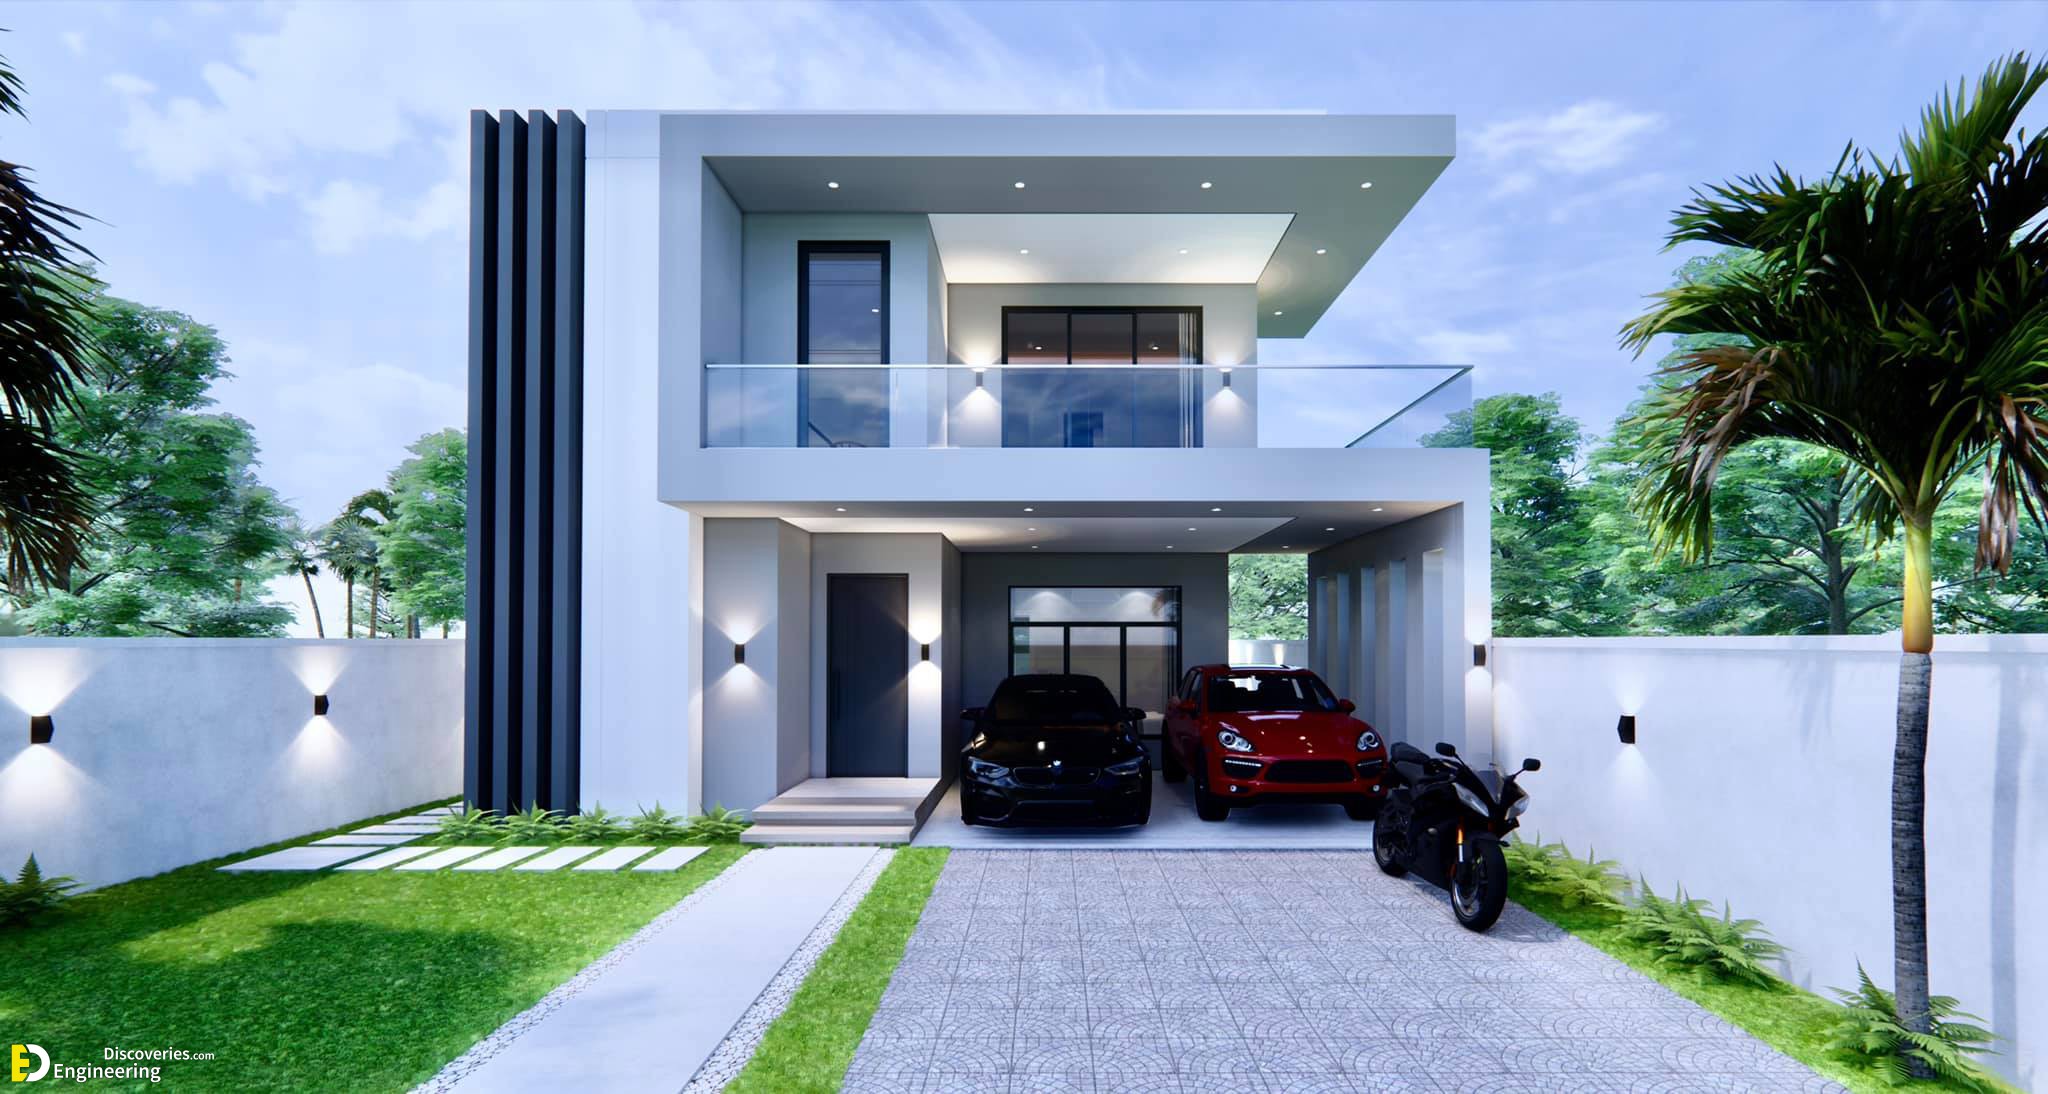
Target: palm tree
<point>350,553</point>
<point>1896,313</point>
<point>301,555</point>
<point>45,350</point>
<point>360,509</point>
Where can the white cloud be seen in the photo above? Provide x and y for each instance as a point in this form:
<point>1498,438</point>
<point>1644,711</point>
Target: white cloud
<point>1462,347</point>
<point>73,41</point>
<point>1586,137</point>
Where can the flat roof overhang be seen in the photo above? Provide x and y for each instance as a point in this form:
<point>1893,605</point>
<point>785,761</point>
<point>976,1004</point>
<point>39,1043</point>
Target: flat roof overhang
<point>1310,167</point>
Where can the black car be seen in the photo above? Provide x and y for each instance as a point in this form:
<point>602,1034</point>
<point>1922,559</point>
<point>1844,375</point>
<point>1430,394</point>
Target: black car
<point>1054,749</point>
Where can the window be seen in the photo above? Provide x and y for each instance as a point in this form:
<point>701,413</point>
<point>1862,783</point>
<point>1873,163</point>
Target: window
<point>1057,699</point>
<point>1127,637</point>
<point>842,318</point>
<point>1257,692</point>
<point>1082,399</point>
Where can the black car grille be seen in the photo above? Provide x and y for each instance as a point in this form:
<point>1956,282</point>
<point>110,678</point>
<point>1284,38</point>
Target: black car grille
<point>1309,771</point>
<point>1053,776</point>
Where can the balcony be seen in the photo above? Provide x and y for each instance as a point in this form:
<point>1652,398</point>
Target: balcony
<point>1071,406</point>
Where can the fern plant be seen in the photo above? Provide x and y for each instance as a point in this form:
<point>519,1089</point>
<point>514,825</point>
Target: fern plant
<point>31,895</point>
<point>596,825</point>
<point>1868,1032</point>
<point>469,826</point>
<point>658,825</point>
<point>1550,869</point>
<point>715,825</point>
<point>1686,933</point>
<point>532,825</point>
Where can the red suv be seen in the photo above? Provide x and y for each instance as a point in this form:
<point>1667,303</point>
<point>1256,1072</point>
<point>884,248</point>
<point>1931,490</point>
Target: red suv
<point>1271,733</point>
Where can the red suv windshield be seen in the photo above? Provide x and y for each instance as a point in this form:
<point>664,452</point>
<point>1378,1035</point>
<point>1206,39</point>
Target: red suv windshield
<point>1255,692</point>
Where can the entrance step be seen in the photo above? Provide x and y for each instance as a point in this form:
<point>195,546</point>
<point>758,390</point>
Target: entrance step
<point>786,810</point>
<point>772,834</point>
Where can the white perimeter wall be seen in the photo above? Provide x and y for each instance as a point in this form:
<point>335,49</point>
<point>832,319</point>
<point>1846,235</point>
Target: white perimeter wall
<point>175,750</point>
<point>1762,775</point>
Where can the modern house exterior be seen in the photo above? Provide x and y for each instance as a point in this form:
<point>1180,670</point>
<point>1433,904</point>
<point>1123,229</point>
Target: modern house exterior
<point>793,434</point>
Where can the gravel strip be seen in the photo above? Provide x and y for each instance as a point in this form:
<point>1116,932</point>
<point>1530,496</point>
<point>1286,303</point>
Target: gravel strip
<point>448,1077</point>
<point>732,1054</point>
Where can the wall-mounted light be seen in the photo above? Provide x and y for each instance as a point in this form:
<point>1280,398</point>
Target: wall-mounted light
<point>1226,376</point>
<point>924,651</point>
<point>319,706</point>
<point>41,727</point>
<point>739,653</point>
<point>1626,729</point>
<point>1478,655</point>
<point>980,377</point>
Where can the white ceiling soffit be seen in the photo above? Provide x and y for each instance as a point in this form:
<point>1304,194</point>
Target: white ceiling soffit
<point>1080,534</point>
<point>1107,248</point>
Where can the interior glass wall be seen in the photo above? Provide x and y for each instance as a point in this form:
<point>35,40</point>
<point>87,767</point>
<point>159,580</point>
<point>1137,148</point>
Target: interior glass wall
<point>1127,636</point>
<point>1084,400</point>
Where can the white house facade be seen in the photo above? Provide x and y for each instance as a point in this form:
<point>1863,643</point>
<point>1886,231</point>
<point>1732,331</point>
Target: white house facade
<point>793,434</point>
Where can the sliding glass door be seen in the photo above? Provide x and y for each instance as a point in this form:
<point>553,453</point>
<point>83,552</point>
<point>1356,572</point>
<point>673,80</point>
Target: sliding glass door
<point>1089,396</point>
<point>843,319</point>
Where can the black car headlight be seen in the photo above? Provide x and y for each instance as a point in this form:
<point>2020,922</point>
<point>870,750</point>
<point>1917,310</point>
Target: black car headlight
<point>1127,768</point>
<point>1232,740</point>
<point>982,769</point>
<point>1368,741</point>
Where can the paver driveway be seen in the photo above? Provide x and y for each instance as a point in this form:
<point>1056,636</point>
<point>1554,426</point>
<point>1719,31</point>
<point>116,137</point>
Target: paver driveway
<point>1247,971</point>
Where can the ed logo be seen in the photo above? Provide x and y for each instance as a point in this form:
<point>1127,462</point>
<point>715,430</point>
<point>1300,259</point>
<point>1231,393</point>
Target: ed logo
<point>18,1059</point>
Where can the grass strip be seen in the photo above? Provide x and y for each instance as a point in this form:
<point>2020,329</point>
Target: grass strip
<point>809,1046</point>
<point>1788,1018</point>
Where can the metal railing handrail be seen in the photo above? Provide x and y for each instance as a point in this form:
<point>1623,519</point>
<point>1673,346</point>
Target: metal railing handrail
<point>1456,370</point>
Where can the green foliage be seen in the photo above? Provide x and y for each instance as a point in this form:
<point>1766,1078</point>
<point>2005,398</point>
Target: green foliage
<point>717,825</point>
<point>1868,1032</point>
<point>658,825</point>
<point>532,825</point>
<point>184,534</point>
<point>31,895</point>
<point>595,825</point>
<point>1269,596</point>
<point>470,826</point>
<point>1685,932</point>
<point>422,545</point>
<point>1551,869</point>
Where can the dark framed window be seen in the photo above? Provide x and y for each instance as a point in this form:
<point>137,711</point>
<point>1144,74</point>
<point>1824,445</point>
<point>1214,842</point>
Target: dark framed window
<point>1127,636</point>
<point>842,318</point>
<point>1082,399</point>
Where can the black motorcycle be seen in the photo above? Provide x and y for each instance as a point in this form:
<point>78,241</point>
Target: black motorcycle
<point>1445,822</point>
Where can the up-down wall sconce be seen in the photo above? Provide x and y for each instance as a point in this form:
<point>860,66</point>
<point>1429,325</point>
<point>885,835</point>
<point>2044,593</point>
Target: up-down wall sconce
<point>739,653</point>
<point>980,377</point>
<point>1226,376</point>
<point>924,651</point>
<point>319,706</point>
<point>1478,655</point>
<point>41,727</point>
<point>1626,729</point>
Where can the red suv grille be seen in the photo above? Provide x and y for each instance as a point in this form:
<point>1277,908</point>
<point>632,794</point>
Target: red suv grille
<point>1309,771</point>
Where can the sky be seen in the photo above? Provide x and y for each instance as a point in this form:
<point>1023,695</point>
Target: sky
<point>294,174</point>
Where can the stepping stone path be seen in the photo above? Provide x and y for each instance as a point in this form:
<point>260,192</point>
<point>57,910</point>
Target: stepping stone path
<point>378,847</point>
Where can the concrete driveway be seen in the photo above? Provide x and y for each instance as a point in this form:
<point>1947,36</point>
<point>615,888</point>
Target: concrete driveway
<point>1048,970</point>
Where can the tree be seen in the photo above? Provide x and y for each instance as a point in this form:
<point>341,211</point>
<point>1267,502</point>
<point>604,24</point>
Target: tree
<point>1894,313</point>
<point>1548,576</point>
<point>46,350</point>
<point>370,511</point>
<point>182,527</point>
<point>1269,596</point>
<point>349,550</point>
<point>424,544</point>
<point>301,555</point>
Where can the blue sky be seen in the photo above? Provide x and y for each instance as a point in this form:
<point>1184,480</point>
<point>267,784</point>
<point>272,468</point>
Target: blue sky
<point>293,174</point>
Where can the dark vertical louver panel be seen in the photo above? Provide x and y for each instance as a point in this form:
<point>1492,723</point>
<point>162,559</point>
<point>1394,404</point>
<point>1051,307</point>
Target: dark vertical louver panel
<point>526,466</point>
<point>566,594</point>
<point>480,621</point>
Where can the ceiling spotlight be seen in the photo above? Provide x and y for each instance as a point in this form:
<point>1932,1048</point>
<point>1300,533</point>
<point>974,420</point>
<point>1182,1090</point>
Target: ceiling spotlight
<point>1329,529</point>
<point>1284,546</point>
<point>1208,185</point>
<point>1278,312</point>
<point>1215,509</point>
<point>831,186</point>
<point>1034,546</point>
<point>839,509</point>
<point>1183,250</point>
<point>1191,529</point>
<point>1019,184</point>
<point>1029,509</point>
<point>1031,529</point>
<point>1023,250</point>
<point>1379,509</point>
<point>1365,186</point>
<point>1169,546</point>
<point>874,311</point>
<point>1322,250</point>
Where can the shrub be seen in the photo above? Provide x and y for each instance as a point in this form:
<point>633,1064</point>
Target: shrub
<point>1551,869</point>
<point>469,826</point>
<point>595,825</point>
<point>1868,1032</point>
<point>716,825</point>
<point>532,825</point>
<point>1683,932</point>
<point>31,895</point>
<point>658,825</point>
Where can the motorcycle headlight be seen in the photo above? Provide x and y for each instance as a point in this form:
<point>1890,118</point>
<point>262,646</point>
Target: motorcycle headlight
<point>1131,766</point>
<point>982,769</point>
<point>1472,801</point>
<point>1368,741</point>
<point>1232,741</point>
<point>1521,804</point>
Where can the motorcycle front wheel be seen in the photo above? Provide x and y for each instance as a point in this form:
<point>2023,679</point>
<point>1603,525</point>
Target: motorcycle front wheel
<point>1388,844</point>
<point>1480,890</point>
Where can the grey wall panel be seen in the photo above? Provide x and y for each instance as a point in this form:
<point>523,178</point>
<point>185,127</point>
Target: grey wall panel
<point>526,365</point>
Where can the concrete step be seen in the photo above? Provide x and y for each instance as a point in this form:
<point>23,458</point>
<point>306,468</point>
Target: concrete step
<point>788,811</point>
<point>772,834</point>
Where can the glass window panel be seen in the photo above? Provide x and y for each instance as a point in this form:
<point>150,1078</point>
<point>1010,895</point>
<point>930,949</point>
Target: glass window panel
<point>843,308</point>
<point>1032,337</point>
<point>1149,656</point>
<point>1094,605</point>
<point>1102,338</point>
<point>1097,652</point>
<point>1167,338</point>
<point>1037,650</point>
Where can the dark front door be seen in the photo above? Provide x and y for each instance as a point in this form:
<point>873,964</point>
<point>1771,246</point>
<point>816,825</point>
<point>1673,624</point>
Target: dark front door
<point>867,668</point>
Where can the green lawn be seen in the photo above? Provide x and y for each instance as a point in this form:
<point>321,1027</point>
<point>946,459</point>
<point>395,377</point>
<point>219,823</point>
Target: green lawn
<point>314,981</point>
<point>1793,1021</point>
<point>808,1048</point>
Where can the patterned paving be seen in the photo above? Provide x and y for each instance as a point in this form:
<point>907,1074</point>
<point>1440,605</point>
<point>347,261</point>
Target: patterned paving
<point>1255,971</point>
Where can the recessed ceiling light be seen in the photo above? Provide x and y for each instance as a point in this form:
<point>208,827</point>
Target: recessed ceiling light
<point>831,186</point>
<point>1031,529</point>
<point>1191,529</point>
<point>1169,546</point>
<point>1283,546</point>
<point>1034,546</point>
<point>874,311</point>
<point>1329,529</point>
<point>1183,250</point>
<point>1019,184</point>
<point>1215,509</point>
<point>1322,250</point>
<point>839,509</point>
<point>1365,186</point>
<point>1208,185</point>
<point>1278,312</point>
<point>1029,509</point>
<point>1023,250</point>
<point>1379,509</point>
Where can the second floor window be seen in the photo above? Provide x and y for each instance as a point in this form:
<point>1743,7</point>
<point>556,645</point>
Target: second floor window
<point>843,319</point>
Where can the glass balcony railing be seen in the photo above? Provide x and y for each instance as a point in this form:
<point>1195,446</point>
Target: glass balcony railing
<point>1080,406</point>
